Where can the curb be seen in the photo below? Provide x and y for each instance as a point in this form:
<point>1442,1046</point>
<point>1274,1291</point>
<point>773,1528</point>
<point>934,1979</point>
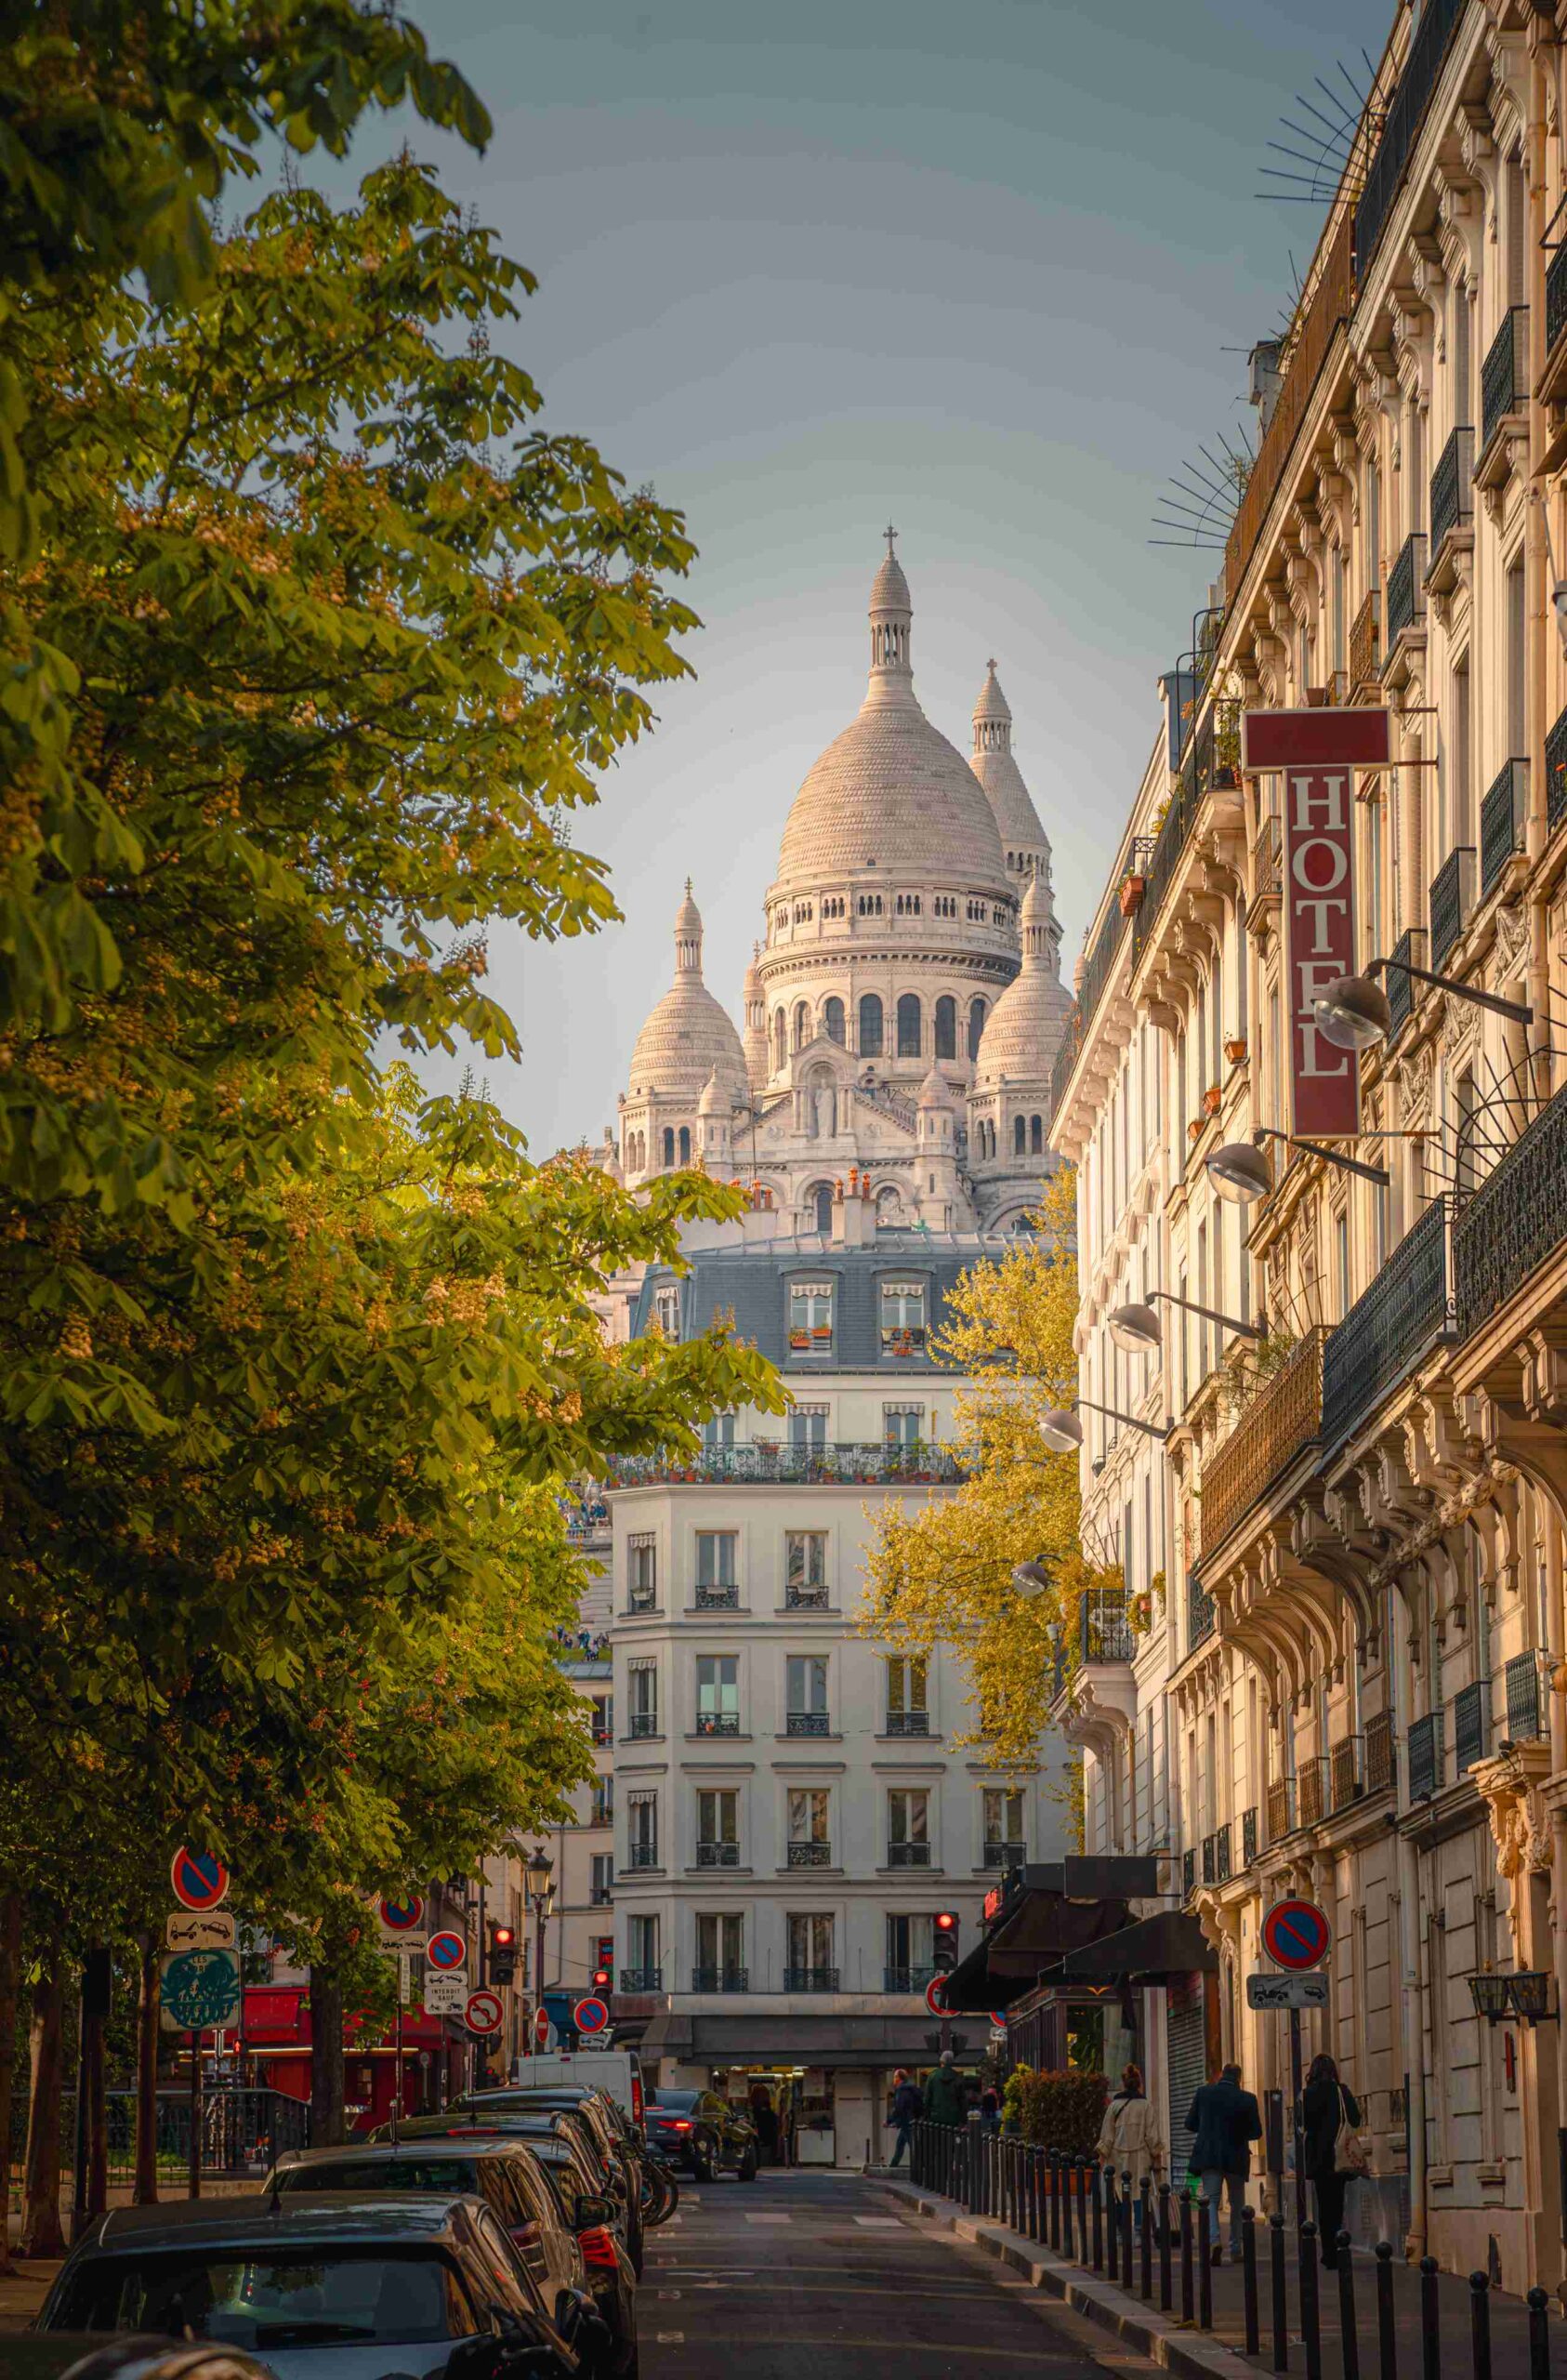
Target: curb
<point>1155,2336</point>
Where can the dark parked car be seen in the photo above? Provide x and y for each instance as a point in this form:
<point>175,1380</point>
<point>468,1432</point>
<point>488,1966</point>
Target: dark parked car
<point>611,2128</point>
<point>502,2112</point>
<point>330,2288</point>
<point>564,2247</point>
<point>73,2355</point>
<point>573,2175</point>
<point>702,2131</point>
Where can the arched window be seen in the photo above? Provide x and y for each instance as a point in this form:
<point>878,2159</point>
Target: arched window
<point>802,1025</point>
<point>889,1208</point>
<point>946,1028</point>
<point>831,1021</point>
<point>822,1201</point>
<point>780,1040</point>
<point>685,1143</point>
<point>1036,1136</point>
<point>908,1025</point>
<point>976,1025</point>
<point>669,1144</point>
<point>1020,1137</point>
<point>870,1026</point>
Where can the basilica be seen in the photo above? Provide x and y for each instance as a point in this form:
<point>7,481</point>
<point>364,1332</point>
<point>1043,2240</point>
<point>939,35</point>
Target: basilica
<point>903,1010</point>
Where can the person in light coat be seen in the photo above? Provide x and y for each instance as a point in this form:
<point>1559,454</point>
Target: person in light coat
<point>1131,2140</point>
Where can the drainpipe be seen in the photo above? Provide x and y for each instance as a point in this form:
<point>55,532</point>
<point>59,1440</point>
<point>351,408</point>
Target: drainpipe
<point>1537,591</point>
<point>1410,1930</point>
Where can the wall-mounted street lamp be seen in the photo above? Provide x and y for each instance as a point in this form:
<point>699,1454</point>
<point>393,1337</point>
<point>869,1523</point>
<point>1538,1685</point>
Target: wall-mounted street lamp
<point>1030,1579</point>
<point>1239,1170</point>
<point>1062,1432</point>
<point>1525,1994</point>
<point>1353,1012</point>
<point>1136,1328</point>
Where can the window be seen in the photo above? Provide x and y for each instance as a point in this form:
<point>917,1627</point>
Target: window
<point>910,1953</point>
<point>806,1713</point>
<point>642,1829</point>
<point>903,1425</point>
<point>720,1954</point>
<point>907,1712</point>
<point>946,1027</point>
<point>810,1318</point>
<point>642,1972</point>
<point>1020,1140</point>
<point>641,1679</point>
<point>810,1828</point>
<point>805,1569</point>
<point>908,1024</point>
<point>717,1432</point>
<point>667,1309</point>
<point>908,1823</point>
<point>603,1801</point>
<point>718,1828</point>
<point>802,1025</point>
<point>903,1317</point>
<point>977,1014</point>
<point>1036,1135</point>
<point>716,1575</point>
<point>602,1879</point>
<point>811,1966</point>
<point>603,1718</point>
<point>831,1021</point>
<point>870,1023</point>
<point>822,1207</point>
<point>1341,1261</point>
<point>1003,1827</point>
<point>808,1425</point>
<point>641,1562</point>
<point>718,1694</point>
<point>669,1144</point>
<point>779,1041</point>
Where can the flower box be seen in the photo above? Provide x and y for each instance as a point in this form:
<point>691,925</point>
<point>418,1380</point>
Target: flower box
<point>1224,779</point>
<point>1212,1099</point>
<point>1195,1128</point>
<point>1236,1051</point>
<point>799,1338</point>
<point>1132,891</point>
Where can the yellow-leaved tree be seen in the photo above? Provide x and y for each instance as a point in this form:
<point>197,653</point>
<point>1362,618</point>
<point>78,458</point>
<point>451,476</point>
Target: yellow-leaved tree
<point>944,1574</point>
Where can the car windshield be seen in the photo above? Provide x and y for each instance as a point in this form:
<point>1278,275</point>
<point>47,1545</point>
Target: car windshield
<point>259,2299</point>
<point>447,2175</point>
<point>678,2103</point>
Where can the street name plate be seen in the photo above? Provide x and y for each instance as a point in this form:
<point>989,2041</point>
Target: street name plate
<point>445,1995</point>
<point>1266,1989</point>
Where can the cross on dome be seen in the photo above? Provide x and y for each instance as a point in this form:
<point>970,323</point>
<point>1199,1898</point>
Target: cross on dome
<point>890,534</point>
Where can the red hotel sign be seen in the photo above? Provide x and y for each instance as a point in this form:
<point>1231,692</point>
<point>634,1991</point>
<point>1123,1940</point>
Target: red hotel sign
<point>1317,752</point>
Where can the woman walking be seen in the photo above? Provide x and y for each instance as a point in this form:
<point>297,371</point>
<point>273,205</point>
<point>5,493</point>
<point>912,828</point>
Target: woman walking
<point>1326,2105</point>
<point>1130,2141</point>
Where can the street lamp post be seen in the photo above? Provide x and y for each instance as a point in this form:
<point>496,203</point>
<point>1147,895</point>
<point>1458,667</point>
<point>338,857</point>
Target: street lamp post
<point>538,1878</point>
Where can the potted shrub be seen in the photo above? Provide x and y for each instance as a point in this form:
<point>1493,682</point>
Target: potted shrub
<point>1194,1129</point>
<point>1140,1613</point>
<point>1212,1099</point>
<point>1132,890</point>
<point>1224,779</point>
<point>1235,1050</point>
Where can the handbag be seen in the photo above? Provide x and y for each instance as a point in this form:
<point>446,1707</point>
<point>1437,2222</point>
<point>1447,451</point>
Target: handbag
<point>1350,2154</point>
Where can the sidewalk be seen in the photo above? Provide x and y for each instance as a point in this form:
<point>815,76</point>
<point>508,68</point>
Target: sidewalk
<point>1205,2355</point>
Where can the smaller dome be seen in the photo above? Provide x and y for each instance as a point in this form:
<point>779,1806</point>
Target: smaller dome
<point>890,589</point>
<point>688,917</point>
<point>934,1092</point>
<point>1025,1027</point>
<point>715,1100</point>
<point>687,1038</point>
<point>992,703</point>
<point>753,975</point>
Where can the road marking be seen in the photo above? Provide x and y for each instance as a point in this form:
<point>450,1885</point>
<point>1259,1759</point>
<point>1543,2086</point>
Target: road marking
<point>671,2293</point>
<point>770,2219</point>
<point>670,2338</point>
<point>879,2222</point>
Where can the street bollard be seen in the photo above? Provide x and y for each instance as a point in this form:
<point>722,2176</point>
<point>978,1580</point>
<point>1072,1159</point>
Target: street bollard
<point>1280,2327</point>
<point>1387,2335</point>
<point>1204,2264</point>
<point>1166,2297</point>
<point>1053,2205</point>
<point>1430,2320</point>
<point>1112,2224</point>
<point>1145,2201</point>
<point>1085,2167</point>
<point>1479,2323</point>
<point>1126,2227</point>
<point>1539,2336</point>
<point>1249,2277</point>
<point>1349,2337</point>
<point>1188,2304</point>
<point>1311,2319</point>
<point>1096,2185</point>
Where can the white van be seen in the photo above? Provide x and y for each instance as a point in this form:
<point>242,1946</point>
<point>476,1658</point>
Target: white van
<point>618,2072</point>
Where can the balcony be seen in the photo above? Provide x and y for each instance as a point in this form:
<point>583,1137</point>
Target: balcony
<point>600,1896</point>
<point>1284,1417</point>
<point>643,1855</point>
<point>1503,817</point>
<point>807,1723</point>
<point>1281,1809</point>
<point>642,1600</point>
<point>770,1463</point>
<point>1402,1316</point>
<point>641,1979</point>
<point>720,1979</point>
<point>1452,899</point>
<point>810,1979</point>
<point>1471,1725</point>
<point>810,1855</point>
<point>1504,393</point>
<point>1215,1857</point>
<point>1365,642</point>
<point>1330,303</point>
<point>1005,1854</point>
<point>1556,773</point>
<point>1556,296</point>
<point>1400,126</point>
<point>903,1979</point>
<point>1188,1874</point>
<point>1452,508</point>
<point>1099,963</point>
<point>1067,1050</point>
<point>908,1723</point>
<point>1407,594</point>
<point>643,1724</point>
<point>1515,1221</point>
<point>1103,1631</point>
<point>717,1722</point>
<point>1380,1762</point>
<point>1425,1757</point>
<point>1523,1686</point>
<point>1267,873</point>
<point>805,1599</point>
<point>717,1599</point>
<point>1249,1846</point>
<point>1344,1772</point>
<point>717,1854</point>
<point>1201,1618</point>
<point>908,1855</point>
<point>1311,1790</point>
<point>1400,984</point>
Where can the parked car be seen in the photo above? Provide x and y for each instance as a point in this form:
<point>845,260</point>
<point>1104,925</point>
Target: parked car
<point>331,2288</point>
<point>74,2355</point>
<point>611,2128</point>
<point>702,2131</point>
<point>507,2112</point>
<point>553,2242</point>
<point>572,2173</point>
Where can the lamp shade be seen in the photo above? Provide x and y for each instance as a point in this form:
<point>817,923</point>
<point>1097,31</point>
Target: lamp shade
<point>1489,1994</point>
<point>1353,1012</point>
<point>1530,1992</point>
<point>1240,1172</point>
<point>1030,1579</point>
<point>537,1874</point>
<point>1061,1431</point>
<point>1136,1328</point>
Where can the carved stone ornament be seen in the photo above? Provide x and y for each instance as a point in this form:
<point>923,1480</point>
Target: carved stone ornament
<point>1510,1786</point>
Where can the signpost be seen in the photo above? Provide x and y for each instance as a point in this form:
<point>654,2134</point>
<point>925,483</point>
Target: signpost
<point>400,1919</point>
<point>190,1929</point>
<point>199,1881</point>
<point>483,2014</point>
<point>1297,1936</point>
<point>445,1995</point>
<point>1265,1990</point>
<point>591,2016</point>
<point>447,1952</point>
<point>541,2028</point>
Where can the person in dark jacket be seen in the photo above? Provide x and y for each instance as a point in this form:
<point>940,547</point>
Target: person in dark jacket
<point>1325,2104</point>
<point>907,2108</point>
<point>1226,2121</point>
<point>946,2101</point>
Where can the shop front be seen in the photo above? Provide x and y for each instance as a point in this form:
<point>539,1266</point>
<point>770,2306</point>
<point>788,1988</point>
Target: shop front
<point>827,2081</point>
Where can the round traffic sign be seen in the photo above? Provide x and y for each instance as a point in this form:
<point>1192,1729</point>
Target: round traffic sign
<point>483,2012</point>
<point>591,2016</point>
<point>998,2018</point>
<point>199,1880</point>
<point>447,1952</point>
<point>936,1995</point>
<point>1296,1934</point>
<point>541,2026</point>
<point>402,1916</point>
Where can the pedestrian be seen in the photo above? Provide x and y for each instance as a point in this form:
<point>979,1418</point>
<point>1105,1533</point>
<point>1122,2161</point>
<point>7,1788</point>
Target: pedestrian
<point>1131,2140</point>
<point>764,2116</point>
<point>1330,2114</point>
<point>990,2108</point>
<point>1226,2121</point>
<point>907,2108</point>
<point>945,2099</point>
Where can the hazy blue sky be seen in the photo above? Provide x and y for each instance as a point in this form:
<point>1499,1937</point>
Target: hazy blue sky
<point>989,272</point>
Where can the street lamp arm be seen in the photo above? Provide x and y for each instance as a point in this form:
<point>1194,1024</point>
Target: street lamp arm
<point>1518,1011</point>
<point>1332,1157</point>
<point>1160,1430</point>
<point>1258,1330</point>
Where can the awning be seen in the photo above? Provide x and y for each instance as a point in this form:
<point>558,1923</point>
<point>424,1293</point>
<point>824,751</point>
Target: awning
<point>837,2042</point>
<point>1172,1943</point>
<point>1036,1933</point>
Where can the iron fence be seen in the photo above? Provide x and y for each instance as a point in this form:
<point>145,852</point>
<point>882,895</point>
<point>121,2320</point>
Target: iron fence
<point>1408,951</point>
<point>809,1855</point>
<point>720,1979</point>
<point>242,2134</point>
<point>810,1979</point>
<point>1282,1416</point>
<point>1201,1617</point>
<point>1556,757</point>
<point>1451,899</point>
<point>1452,482</point>
<point>1406,592</point>
<point>1364,640</point>
<point>1556,296</point>
<point>1525,1701</point>
<point>1381,1754</point>
<point>1104,1632</point>
<point>1281,1809</point>
<point>1344,1772</point>
<point>908,1723</point>
<point>1405,1312</point>
<point>1504,376</point>
<point>1471,1725</point>
<point>1503,814</point>
<point>1401,126</point>
<point>1249,1845</point>
<point>1312,1789</point>
<point>641,1979</point>
<point>770,1464</point>
<point>1426,1763</point>
<point>1515,1220</point>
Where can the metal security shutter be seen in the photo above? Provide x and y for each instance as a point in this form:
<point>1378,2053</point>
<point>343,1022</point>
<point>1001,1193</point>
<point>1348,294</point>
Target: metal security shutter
<point>1186,2051</point>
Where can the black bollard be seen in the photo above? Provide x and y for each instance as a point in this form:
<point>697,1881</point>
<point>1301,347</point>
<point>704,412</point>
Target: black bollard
<point>1310,2319</point>
<point>1479,2323</point>
<point>1281,2326</point>
<point>1126,2228</point>
<point>1145,2199</point>
<point>1080,2193</point>
<point>1431,2322</point>
<point>1387,2337</point>
<point>1539,2337</point>
<point>1166,2297</point>
<point>1249,2277</point>
<point>1034,2169</point>
<point>1096,2181</point>
<point>1188,2304</point>
<point>1348,2335</point>
<point>1112,2224</point>
<point>1204,2264</point>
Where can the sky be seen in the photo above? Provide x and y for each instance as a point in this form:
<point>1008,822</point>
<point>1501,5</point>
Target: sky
<point>990,272</point>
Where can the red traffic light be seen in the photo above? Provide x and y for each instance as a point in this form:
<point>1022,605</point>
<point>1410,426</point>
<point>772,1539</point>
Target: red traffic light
<point>504,1936</point>
<point>946,1921</point>
<point>601,1978</point>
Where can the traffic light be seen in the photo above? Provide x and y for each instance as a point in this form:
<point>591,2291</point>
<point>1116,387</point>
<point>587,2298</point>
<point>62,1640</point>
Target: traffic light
<point>944,1941</point>
<point>604,1978</point>
<point>503,1954</point>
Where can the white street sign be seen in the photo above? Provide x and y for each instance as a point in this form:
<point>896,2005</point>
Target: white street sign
<point>446,1995</point>
<point>194,1929</point>
<point>415,1944</point>
<point>1267,1989</point>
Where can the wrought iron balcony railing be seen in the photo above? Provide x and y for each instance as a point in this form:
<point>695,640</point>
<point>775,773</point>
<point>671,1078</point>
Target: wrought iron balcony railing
<point>1282,1416</point>
<point>907,1979</point>
<point>1267,865</point>
<point>1471,1725</point>
<point>1516,1219</point>
<point>1525,1699</point>
<point>717,1854</point>
<point>1311,1790</point>
<point>1452,898</point>
<point>1556,296</point>
<point>1452,489</point>
<point>1556,761</point>
<point>810,1979</point>
<point>1406,592</point>
<point>1201,1617</point>
<point>1281,1809</point>
<point>1504,376</point>
<point>1249,1845</point>
<point>717,1722</point>
<point>1365,642</point>
<point>908,1723</point>
<point>1400,126</point>
<point>1344,1772</point>
<point>720,1979</point>
<point>717,1598</point>
<point>600,1896</point>
<point>1188,1873</point>
<point>1503,815</point>
<point>641,1979</point>
<point>1331,303</point>
<point>807,1723</point>
<point>1380,1760</point>
<point>1065,1058</point>
<point>1401,984</point>
<point>805,1599</point>
<point>1405,1312</point>
<point>641,1599</point>
<point>767,1463</point>
<point>1425,1769</point>
<point>908,1855</point>
<point>809,1855</point>
<point>642,1855</point>
<point>643,1724</point>
<point>1103,1631</point>
<point>1215,1857</point>
<point>1005,1854</point>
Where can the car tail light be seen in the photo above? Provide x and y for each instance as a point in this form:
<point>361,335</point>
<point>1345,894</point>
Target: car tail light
<point>598,2248</point>
<point>635,2099</point>
<point>680,2124</point>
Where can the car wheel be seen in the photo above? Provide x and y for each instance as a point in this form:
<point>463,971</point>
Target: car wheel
<point>702,2165</point>
<point>747,2171</point>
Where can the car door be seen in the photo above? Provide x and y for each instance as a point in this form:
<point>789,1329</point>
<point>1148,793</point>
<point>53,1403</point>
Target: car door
<point>503,2287</point>
<point>560,2257</point>
<point>520,2221</point>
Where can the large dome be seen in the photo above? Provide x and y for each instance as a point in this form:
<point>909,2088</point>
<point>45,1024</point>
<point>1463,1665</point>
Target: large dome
<point>688,1037</point>
<point>890,793</point>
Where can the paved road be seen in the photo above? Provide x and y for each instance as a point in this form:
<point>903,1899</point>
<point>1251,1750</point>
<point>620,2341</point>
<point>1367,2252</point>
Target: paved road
<point>814,2277</point>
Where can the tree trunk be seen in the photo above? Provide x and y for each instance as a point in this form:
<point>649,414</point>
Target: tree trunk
<point>10,1994</point>
<point>98,1985</point>
<point>327,2060</point>
<point>42,2232</point>
<point>145,2191</point>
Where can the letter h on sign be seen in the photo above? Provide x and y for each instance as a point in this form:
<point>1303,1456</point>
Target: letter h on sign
<point>1318,751</point>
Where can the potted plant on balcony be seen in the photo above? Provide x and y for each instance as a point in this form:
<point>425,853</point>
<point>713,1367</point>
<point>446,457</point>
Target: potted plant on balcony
<point>1133,887</point>
<point>1235,1049</point>
<point>1195,1128</point>
<point>1212,1099</point>
<point>1140,1613</point>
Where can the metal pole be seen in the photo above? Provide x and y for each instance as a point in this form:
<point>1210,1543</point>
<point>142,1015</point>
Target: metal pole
<point>397,2084</point>
<point>1311,2325</point>
<point>1281,2326</point>
<point>1249,2277</point>
<point>1539,2337</point>
<point>1430,2320</point>
<point>1094,2181</point>
<point>1479,2323</point>
<point>1298,2119</point>
<point>1167,2292</point>
<point>1349,2334</point>
<point>1204,2264</point>
<point>1081,2186</point>
<point>195,2148</point>
<point>79,2176</point>
<point>1125,2227</point>
<point>1145,2199</point>
<point>1386,2333</point>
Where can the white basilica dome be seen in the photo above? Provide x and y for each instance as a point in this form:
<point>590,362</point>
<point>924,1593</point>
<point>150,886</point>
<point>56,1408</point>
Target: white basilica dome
<point>688,1036</point>
<point>1027,1022</point>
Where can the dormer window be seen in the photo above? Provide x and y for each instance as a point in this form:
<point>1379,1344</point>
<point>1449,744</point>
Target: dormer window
<point>810,1318</point>
<point>903,1319</point>
<point>666,1307</point>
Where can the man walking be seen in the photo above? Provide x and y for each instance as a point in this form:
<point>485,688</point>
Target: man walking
<point>945,2100</point>
<point>906,2112</point>
<point>1226,2121</point>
